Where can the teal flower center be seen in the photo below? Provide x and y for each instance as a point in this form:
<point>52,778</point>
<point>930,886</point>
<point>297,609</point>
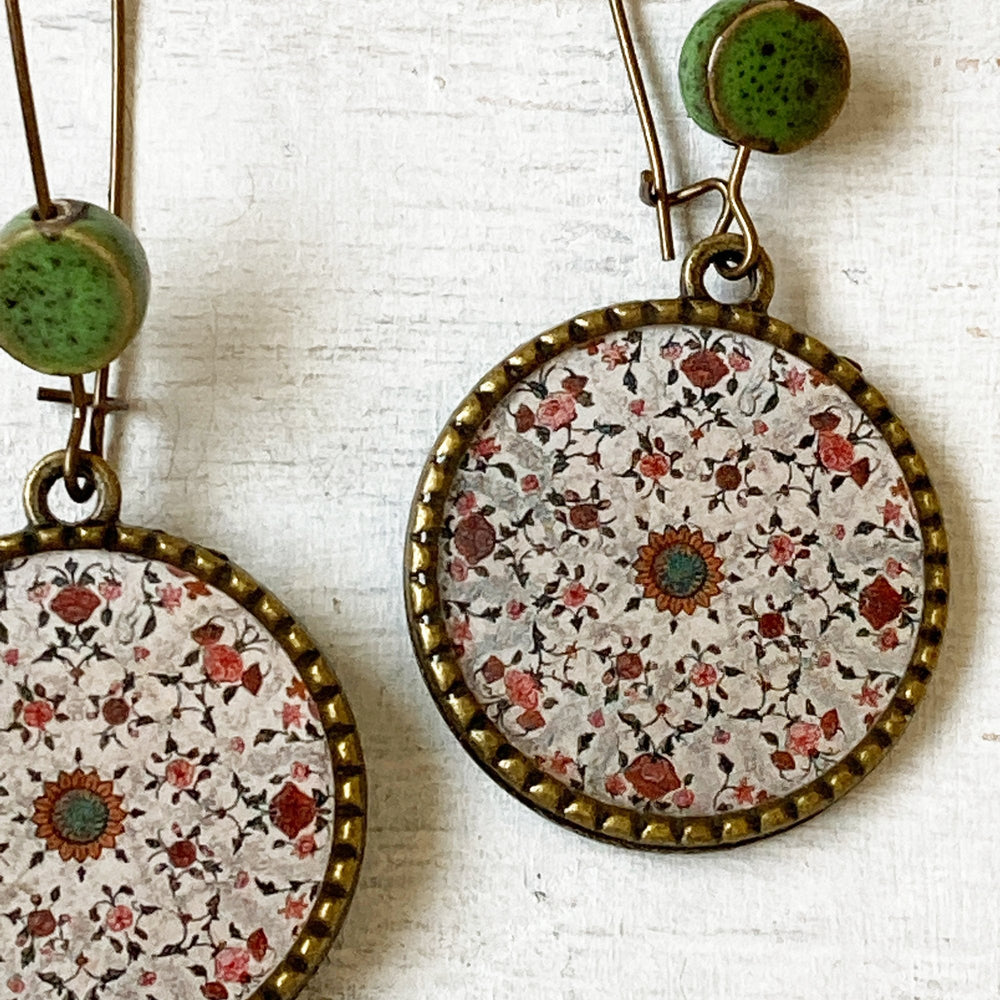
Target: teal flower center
<point>680,570</point>
<point>80,816</point>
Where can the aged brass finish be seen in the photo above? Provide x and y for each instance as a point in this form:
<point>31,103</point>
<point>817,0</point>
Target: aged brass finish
<point>442,672</point>
<point>104,532</point>
<point>723,250</point>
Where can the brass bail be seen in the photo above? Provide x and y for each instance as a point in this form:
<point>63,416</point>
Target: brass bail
<point>654,188</point>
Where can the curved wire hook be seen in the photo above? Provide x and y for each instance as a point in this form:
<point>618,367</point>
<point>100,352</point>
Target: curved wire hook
<point>99,403</point>
<point>655,190</point>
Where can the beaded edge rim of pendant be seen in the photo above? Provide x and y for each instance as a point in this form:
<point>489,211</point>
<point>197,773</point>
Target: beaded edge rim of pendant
<point>483,740</point>
<point>347,761</point>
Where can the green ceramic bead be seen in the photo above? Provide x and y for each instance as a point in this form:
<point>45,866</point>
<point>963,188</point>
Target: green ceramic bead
<point>768,74</point>
<point>73,289</point>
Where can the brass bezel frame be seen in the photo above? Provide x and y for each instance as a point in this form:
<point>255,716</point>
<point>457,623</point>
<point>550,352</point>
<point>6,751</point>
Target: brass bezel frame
<point>350,785</point>
<point>465,716</point>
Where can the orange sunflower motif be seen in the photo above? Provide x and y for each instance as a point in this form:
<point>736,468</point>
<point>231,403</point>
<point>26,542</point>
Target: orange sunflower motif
<point>679,569</point>
<point>78,815</point>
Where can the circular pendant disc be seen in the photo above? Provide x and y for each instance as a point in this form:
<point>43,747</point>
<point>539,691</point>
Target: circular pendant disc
<point>182,783</point>
<point>677,576</point>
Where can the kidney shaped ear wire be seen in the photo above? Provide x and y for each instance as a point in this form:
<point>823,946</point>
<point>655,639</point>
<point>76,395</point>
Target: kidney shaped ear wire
<point>676,576</point>
<point>184,788</point>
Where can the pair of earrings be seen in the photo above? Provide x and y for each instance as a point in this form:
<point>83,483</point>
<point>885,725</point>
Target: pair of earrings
<point>675,577</point>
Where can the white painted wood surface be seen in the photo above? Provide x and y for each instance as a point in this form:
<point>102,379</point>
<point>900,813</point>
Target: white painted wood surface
<point>354,209</point>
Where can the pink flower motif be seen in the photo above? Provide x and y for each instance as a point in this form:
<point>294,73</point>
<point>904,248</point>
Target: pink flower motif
<point>835,451</point>
<point>671,351</point>
<point>232,965</point>
<point>466,503</point>
<point>119,919</point>
<point>781,549</point>
<point>223,664</point>
<point>170,597</point>
<point>894,568</point>
<point>458,570</point>
<point>596,718</point>
<point>559,410</point>
<point>110,589</point>
<point>869,696</point>
<point>575,595</point>
<point>237,745</point>
<point>614,355</point>
<point>704,675</point>
<point>720,736</point>
<point>795,381</point>
<point>522,689</point>
<point>759,427</point>
<point>140,653</point>
<point>242,879</point>
<point>614,784</point>
<point>559,763</point>
<point>15,984</point>
<point>839,532</point>
<point>530,483</point>
<point>305,846</point>
<point>637,406</point>
<point>147,979</point>
<point>890,512</point>
<point>180,773</point>
<point>300,771</point>
<point>803,738</point>
<point>486,447</point>
<point>738,362</point>
<point>461,631</point>
<point>745,793</point>
<point>294,909</point>
<point>39,593</point>
<point>514,610</point>
<point>824,659</point>
<point>683,798</point>
<point>291,715</point>
<point>888,640</point>
<point>696,435</point>
<point>10,657</point>
<point>38,713</point>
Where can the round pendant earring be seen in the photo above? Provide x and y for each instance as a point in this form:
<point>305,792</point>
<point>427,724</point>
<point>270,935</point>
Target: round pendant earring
<point>183,786</point>
<point>676,575</point>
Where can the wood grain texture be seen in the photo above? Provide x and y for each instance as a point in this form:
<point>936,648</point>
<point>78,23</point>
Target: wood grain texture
<point>352,211</point>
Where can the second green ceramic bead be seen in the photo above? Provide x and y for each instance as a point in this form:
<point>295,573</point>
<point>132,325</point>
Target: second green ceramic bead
<point>768,74</point>
<point>73,289</point>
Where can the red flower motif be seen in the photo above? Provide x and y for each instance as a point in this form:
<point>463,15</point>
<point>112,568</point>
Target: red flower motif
<point>514,610</point>
<point>738,362</point>
<point>744,793</point>
<point>37,713</point>
<point>596,718</point>
<point>182,854</point>
<point>652,777</point>
<point>771,625</point>
<point>584,516</point>
<point>704,369</point>
<point>232,965</point>
<point>180,773</point>
<point>629,666</point>
<point>458,571</point>
<point>487,447</point>
<point>683,798</point>
<point>475,538</point>
<point>11,656</point>
<point>74,605</point>
<point>41,923</point>
<point>257,945</point>
<point>223,664</point>
<point>880,603</point>
<point>654,466</point>
<point>292,810</point>
<point>109,589</point>
<point>522,688</point>
<point>781,549</point>
<point>803,738</point>
<point>466,503</point>
<point>291,714</point>
<point>557,411</point>
<point>119,918</point>
<point>530,483</point>
<point>615,784</point>
<point>575,595</point>
<point>115,711</point>
<point>835,452</point>
<point>147,979</point>
<point>728,477</point>
<point>305,846</point>
<point>704,675</point>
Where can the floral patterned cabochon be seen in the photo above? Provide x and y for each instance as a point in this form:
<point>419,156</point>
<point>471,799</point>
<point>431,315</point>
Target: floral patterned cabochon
<point>681,570</point>
<point>165,785</point>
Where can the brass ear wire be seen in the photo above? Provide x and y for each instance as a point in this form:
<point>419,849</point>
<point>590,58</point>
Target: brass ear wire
<point>654,187</point>
<point>99,403</point>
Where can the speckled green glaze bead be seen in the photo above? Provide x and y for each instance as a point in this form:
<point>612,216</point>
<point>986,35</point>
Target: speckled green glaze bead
<point>768,74</point>
<point>73,289</point>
